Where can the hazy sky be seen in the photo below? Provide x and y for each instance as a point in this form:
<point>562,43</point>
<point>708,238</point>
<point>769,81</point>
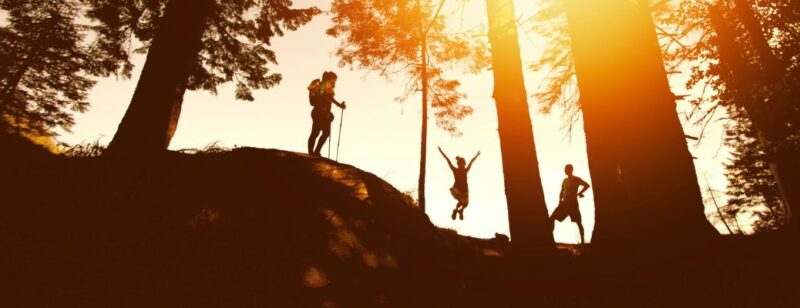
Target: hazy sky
<point>380,135</point>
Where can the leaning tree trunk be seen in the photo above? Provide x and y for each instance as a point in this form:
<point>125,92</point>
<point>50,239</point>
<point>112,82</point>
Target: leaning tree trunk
<point>646,188</point>
<point>7,93</point>
<point>784,160</point>
<point>152,116</point>
<point>527,211</point>
<point>747,15</point>
<point>765,114</point>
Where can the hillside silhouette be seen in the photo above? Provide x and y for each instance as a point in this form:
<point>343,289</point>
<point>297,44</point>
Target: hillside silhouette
<point>253,227</point>
<point>250,226</point>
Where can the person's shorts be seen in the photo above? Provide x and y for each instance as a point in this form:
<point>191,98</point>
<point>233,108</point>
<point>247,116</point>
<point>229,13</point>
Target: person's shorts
<point>461,196</point>
<point>567,209</point>
<point>322,116</point>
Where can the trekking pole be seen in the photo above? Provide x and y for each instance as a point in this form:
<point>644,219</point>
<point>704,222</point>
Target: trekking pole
<point>339,138</point>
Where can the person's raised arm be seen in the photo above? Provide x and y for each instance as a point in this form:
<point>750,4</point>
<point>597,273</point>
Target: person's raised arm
<point>473,160</point>
<point>584,189</point>
<point>446,158</point>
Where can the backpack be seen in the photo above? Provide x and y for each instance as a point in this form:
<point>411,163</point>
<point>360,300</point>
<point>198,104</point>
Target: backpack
<point>313,92</point>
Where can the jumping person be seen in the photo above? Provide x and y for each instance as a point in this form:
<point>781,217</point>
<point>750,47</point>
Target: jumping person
<point>568,200</point>
<point>460,189</point>
<point>321,96</point>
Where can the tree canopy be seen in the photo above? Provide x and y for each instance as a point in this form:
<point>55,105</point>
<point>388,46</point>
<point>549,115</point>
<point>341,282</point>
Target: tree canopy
<point>235,43</point>
<point>45,65</point>
<point>386,37</point>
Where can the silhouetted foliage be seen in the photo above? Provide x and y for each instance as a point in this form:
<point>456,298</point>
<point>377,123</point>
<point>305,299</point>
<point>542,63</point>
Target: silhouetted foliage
<point>235,40</point>
<point>45,65</point>
<point>211,148</point>
<point>386,37</point>
<point>744,56</point>
<point>87,149</point>
<point>409,37</point>
<point>194,45</point>
<point>751,184</point>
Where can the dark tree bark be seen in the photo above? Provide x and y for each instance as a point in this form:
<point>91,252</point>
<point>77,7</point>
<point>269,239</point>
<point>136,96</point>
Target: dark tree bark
<point>646,191</point>
<point>152,117</point>
<point>527,211</point>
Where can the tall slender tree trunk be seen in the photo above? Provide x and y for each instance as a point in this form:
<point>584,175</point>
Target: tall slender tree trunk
<point>423,155</point>
<point>423,152</point>
<point>152,116</point>
<point>646,188</point>
<point>531,232</point>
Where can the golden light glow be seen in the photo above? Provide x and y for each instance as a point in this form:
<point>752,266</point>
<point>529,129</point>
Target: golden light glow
<point>379,135</point>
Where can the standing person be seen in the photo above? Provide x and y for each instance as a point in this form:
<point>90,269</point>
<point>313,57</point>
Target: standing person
<point>321,96</point>
<point>568,200</point>
<point>460,189</point>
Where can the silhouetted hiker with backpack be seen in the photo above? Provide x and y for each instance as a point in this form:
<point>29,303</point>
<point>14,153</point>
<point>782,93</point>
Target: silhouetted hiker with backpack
<point>568,200</point>
<point>321,96</point>
<point>460,189</point>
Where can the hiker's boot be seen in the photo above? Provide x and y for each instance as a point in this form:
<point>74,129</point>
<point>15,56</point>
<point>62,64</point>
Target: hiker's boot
<point>454,214</point>
<point>461,214</point>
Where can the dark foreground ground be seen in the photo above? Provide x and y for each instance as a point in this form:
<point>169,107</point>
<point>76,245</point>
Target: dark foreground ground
<point>266,228</point>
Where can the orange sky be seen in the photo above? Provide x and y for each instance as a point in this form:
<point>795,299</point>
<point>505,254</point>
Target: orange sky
<point>381,135</point>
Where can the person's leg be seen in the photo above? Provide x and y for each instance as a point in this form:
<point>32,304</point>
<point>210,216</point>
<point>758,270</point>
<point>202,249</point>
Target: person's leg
<point>456,195</point>
<point>578,220</point>
<point>464,204</point>
<point>316,129</point>
<point>326,132</point>
<point>558,214</point>
<point>312,139</point>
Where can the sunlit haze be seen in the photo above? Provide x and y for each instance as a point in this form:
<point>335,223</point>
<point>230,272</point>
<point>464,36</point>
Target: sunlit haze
<point>381,135</point>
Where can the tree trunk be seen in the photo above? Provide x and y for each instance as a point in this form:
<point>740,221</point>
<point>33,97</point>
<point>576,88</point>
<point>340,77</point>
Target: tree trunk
<point>423,155</point>
<point>772,70</point>
<point>152,117</point>
<point>646,190</point>
<point>37,45</point>
<point>531,232</point>
<point>782,160</point>
<point>8,91</point>
<point>747,15</point>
